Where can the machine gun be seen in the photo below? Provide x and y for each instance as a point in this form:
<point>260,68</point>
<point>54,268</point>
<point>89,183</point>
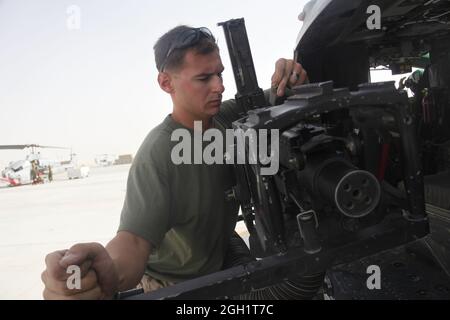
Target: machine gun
<point>328,203</point>
<point>325,157</point>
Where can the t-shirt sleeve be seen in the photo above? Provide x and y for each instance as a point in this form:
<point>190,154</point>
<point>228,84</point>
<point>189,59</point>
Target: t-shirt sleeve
<point>146,210</point>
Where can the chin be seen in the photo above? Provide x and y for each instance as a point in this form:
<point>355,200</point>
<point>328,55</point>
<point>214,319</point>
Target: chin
<point>213,110</point>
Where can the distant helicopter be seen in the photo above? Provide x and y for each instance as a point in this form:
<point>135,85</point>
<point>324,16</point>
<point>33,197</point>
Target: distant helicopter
<point>33,169</point>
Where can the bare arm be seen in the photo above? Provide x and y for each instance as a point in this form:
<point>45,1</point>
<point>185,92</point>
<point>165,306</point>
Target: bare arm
<point>129,254</point>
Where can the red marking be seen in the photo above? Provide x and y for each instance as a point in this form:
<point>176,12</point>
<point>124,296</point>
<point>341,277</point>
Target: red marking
<point>12,182</point>
<point>383,161</point>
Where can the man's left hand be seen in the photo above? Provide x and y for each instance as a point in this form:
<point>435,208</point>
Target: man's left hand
<point>288,73</point>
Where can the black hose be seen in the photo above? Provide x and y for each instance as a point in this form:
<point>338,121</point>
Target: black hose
<point>303,287</point>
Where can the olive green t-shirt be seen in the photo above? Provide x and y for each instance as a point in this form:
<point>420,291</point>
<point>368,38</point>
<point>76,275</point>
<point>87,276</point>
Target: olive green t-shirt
<point>180,209</point>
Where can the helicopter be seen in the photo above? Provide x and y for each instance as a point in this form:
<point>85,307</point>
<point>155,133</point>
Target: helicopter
<point>34,169</point>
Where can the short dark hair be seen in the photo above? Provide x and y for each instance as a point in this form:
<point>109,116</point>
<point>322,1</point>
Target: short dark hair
<point>175,60</point>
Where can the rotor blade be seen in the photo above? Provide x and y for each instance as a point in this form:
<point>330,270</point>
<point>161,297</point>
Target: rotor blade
<point>14,146</point>
<point>23,146</point>
<point>51,147</point>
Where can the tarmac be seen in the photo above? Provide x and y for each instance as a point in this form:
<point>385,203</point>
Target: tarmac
<point>38,219</point>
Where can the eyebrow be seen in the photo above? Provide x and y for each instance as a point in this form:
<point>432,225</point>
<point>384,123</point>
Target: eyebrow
<point>207,74</point>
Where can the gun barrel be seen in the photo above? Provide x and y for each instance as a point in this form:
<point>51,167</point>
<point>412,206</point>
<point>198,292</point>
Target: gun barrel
<point>355,193</point>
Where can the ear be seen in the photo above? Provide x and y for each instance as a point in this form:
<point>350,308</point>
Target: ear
<point>165,82</point>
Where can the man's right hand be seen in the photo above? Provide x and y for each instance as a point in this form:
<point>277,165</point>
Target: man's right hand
<point>99,279</point>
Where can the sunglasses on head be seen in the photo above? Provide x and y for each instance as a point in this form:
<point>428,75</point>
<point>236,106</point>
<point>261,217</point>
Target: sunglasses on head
<point>186,39</point>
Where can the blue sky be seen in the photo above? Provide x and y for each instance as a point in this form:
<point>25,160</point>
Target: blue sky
<point>94,88</point>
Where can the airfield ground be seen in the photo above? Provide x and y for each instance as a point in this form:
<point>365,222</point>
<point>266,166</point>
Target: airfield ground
<point>38,219</point>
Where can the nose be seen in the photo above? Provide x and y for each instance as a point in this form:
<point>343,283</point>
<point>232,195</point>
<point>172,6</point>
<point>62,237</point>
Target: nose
<point>217,84</point>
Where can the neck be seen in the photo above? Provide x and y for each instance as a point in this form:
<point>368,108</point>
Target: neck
<point>187,119</point>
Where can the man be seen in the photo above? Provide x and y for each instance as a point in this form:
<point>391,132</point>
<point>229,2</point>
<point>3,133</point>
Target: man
<point>175,223</point>
<point>50,173</point>
<point>33,172</point>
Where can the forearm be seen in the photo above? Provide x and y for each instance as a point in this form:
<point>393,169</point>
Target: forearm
<point>129,255</point>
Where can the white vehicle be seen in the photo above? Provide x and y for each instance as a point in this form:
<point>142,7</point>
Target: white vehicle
<point>78,173</point>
